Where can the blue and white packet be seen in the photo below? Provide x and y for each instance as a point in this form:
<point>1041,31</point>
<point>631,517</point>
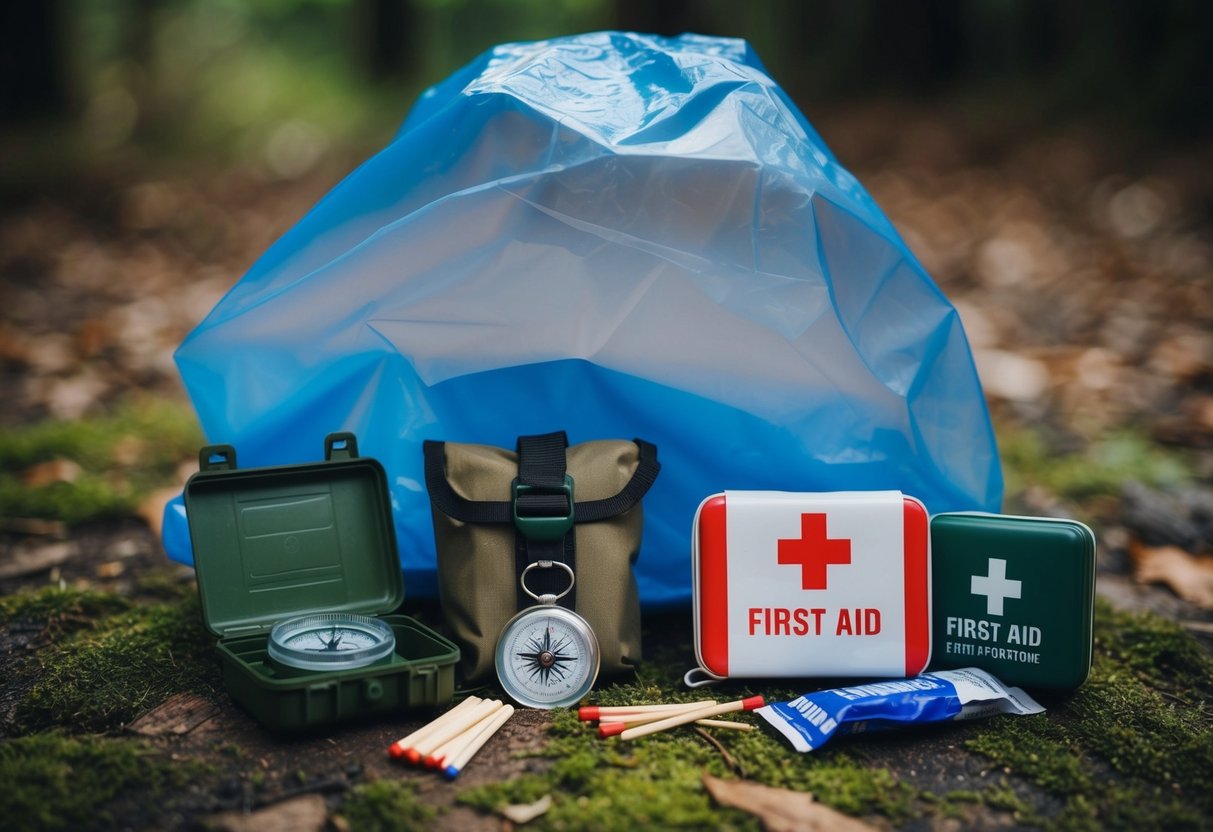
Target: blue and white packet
<point>809,721</point>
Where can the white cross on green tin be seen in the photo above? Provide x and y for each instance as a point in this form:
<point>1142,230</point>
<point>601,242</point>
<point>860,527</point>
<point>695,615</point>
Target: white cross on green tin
<point>1014,596</point>
<point>995,586</point>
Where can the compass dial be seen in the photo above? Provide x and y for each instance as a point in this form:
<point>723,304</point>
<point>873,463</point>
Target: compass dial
<point>330,641</point>
<point>547,657</point>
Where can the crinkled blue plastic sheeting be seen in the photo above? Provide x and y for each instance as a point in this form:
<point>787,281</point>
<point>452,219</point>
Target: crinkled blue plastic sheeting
<point>618,235</point>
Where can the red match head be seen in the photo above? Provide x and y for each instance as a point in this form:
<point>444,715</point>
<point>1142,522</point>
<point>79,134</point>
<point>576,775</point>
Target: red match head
<point>753,702</point>
<point>610,729</point>
<point>587,712</point>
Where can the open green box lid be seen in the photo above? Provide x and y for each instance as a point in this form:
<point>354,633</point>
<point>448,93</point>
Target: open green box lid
<point>287,540</point>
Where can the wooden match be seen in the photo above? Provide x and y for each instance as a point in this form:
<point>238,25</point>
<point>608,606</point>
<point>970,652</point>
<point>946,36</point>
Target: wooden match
<point>651,716</point>
<point>590,712</point>
<point>402,746</point>
<point>682,718</point>
<point>455,764</point>
<point>436,758</point>
<point>616,726</point>
<point>454,727</point>
<point>726,723</point>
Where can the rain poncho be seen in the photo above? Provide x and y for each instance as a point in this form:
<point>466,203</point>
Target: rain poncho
<point>617,235</point>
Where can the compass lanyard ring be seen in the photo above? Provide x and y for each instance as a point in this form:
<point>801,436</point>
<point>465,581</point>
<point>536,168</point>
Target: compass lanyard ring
<point>542,507</point>
<point>548,599</point>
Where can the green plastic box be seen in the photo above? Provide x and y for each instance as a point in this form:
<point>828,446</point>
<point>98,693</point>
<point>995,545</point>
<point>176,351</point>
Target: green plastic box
<point>276,542</point>
<point>1014,596</point>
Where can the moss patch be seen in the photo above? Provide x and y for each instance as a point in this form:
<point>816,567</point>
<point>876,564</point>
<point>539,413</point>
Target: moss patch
<point>101,677</point>
<point>60,607</point>
<point>1134,746</point>
<point>122,457</point>
<point>385,806</point>
<point>1100,469</point>
<point>656,782</point>
<point>52,781</point>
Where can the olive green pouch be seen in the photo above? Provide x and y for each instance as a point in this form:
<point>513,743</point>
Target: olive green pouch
<point>497,511</point>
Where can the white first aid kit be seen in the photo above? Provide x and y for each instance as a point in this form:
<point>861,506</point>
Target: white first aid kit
<point>830,584</point>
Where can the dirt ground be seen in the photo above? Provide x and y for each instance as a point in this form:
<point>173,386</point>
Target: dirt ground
<point>1081,263</point>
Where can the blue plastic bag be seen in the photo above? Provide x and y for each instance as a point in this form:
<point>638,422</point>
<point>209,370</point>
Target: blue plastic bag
<point>616,235</point>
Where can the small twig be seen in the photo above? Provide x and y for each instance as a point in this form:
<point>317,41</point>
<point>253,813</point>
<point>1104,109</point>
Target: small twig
<point>1202,627</point>
<point>33,526</point>
<point>729,759</point>
<point>1178,699</point>
<point>331,785</point>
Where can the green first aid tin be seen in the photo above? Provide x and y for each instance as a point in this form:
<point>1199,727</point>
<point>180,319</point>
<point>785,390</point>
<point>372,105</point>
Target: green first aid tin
<point>1014,596</point>
<point>297,569</point>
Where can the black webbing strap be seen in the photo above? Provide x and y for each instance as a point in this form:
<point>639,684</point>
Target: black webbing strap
<point>538,462</point>
<point>501,511</point>
<point>541,465</point>
<point>541,459</point>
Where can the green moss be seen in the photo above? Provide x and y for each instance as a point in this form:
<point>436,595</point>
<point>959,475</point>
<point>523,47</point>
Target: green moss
<point>656,782</point>
<point>384,806</point>
<point>973,808</point>
<point>122,456</point>
<point>166,583</point>
<point>56,782</point>
<point>99,678</point>
<point>1131,748</point>
<point>1100,469</point>
<point>59,607</point>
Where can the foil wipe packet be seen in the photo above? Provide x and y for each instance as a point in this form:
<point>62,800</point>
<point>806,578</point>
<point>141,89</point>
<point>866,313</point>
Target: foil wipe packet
<point>809,721</point>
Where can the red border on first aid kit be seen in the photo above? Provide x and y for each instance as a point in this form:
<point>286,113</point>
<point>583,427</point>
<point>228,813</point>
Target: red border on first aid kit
<point>714,587</point>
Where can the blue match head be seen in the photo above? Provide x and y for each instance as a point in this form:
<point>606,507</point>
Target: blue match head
<point>450,772</point>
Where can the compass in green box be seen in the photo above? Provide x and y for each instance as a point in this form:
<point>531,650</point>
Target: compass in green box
<point>1014,596</point>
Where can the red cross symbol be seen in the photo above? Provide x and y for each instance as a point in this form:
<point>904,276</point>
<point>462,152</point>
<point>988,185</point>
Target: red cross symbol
<point>813,551</point>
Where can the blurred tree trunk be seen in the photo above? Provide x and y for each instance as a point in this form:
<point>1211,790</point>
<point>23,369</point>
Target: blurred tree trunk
<point>916,43</point>
<point>33,73</point>
<point>670,17</point>
<point>386,48</point>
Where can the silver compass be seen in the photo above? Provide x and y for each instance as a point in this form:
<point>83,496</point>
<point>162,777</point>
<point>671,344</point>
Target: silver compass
<point>330,641</point>
<point>547,656</point>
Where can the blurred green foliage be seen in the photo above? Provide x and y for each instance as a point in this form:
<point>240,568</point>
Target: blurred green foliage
<point>121,458</point>
<point>1099,468</point>
<point>283,82</point>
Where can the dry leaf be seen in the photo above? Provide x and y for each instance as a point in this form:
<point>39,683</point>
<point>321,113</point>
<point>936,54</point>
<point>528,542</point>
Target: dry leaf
<point>299,814</point>
<point>125,548</point>
<point>1189,576</point>
<point>1006,375</point>
<point>13,347</point>
<point>178,714</point>
<point>110,569</point>
<point>521,813</point>
<point>70,398</point>
<point>50,472</point>
<point>781,810</point>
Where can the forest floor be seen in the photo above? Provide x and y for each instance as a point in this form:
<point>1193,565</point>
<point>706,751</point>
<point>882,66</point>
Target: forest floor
<point>1082,266</point>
